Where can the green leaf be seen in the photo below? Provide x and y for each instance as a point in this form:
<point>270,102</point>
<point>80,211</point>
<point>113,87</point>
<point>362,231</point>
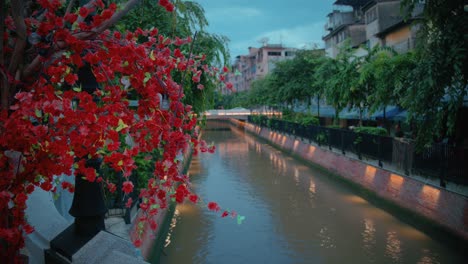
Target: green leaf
<point>240,218</point>
<point>121,125</point>
<point>77,89</point>
<point>38,113</point>
<point>147,77</point>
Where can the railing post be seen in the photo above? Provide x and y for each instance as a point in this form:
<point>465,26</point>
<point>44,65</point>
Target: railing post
<point>443,166</point>
<point>342,142</point>
<point>379,151</point>
<point>359,146</point>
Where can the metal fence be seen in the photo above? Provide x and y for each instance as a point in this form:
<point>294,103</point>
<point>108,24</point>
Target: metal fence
<point>440,161</point>
<point>116,202</point>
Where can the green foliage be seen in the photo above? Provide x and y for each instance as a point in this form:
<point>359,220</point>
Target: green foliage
<point>294,79</point>
<point>188,20</point>
<point>380,131</point>
<point>300,118</point>
<point>430,82</point>
<point>441,67</point>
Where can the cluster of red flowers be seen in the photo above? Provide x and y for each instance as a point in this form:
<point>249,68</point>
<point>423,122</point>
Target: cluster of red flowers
<point>54,125</point>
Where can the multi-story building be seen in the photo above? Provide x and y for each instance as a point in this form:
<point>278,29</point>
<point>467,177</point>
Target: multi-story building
<point>370,22</point>
<point>258,63</point>
<point>385,25</point>
<point>345,23</point>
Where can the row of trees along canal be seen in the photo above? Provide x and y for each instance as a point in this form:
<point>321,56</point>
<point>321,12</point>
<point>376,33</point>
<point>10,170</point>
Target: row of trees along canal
<point>429,81</point>
<point>67,72</point>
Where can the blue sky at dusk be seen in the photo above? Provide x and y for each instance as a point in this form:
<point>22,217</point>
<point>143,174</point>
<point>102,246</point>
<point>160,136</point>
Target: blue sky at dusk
<point>295,23</point>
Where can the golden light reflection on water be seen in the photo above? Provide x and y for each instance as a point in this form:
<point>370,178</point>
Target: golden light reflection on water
<point>427,258</point>
<point>393,246</point>
<point>168,240</point>
<point>312,186</point>
<point>368,235</point>
<point>186,209</point>
<point>326,240</point>
<point>355,199</point>
<point>296,175</point>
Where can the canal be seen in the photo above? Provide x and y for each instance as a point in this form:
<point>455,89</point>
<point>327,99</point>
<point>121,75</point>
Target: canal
<point>294,213</point>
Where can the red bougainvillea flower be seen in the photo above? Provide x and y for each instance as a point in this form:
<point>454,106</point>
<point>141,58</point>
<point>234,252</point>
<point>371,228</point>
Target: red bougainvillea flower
<point>153,224</point>
<point>225,213</point>
<point>193,198</point>
<point>28,229</point>
<point>129,203</point>
<point>84,12</point>
<point>127,187</point>
<point>213,206</point>
<point>112,187</point>
<point>137,243</point>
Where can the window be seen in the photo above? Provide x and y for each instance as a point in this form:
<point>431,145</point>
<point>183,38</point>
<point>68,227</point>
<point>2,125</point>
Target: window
<point>274,53</point>
<point>289,53</point>
<point>371,15</point>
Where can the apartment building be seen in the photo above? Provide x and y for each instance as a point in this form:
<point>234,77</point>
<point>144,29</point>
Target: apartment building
<point>256,64</point>
<point>370,22</point>
<point>345,22</point>
<point>386,26</point>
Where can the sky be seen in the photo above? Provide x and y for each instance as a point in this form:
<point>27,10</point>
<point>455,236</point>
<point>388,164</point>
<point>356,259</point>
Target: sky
<point>293,23</point>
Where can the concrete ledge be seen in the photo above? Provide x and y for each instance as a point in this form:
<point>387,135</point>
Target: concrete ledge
<point>445,208</point>
<point>47,221</point>
<point>107,248</point>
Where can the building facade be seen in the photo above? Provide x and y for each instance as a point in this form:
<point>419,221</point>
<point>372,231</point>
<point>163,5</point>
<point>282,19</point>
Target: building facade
<point>370,23</point>
<point>256,64</point>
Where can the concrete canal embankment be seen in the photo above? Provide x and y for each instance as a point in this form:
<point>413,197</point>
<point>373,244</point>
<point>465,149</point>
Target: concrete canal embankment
<point>434,209</point>
<point>153,241</point>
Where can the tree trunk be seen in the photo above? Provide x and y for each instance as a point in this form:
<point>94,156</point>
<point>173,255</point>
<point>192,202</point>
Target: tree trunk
<point>360,116</point>
<point>318,107</point>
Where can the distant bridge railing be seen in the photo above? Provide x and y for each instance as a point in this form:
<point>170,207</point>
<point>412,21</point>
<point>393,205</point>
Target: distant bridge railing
<point>237,113</point>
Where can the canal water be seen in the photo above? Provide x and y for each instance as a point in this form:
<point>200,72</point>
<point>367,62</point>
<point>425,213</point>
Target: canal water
<point>293,214</point>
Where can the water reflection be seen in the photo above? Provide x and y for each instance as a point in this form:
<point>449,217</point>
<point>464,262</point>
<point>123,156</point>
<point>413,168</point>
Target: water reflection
<point>393,247</point>
<point>368,238</point>
<point>295,214</point>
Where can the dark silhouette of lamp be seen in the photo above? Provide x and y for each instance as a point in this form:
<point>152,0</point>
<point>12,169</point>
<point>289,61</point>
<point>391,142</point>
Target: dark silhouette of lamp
<point>88,206</point>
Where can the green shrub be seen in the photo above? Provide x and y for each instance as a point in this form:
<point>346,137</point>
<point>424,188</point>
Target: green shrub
<point>380,131</point>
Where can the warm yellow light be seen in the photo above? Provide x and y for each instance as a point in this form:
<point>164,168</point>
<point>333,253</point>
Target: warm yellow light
<point>396,181</point>
<point>430,196</point>
<point>311,151</point>
<point>355,199</point>
<point>283,140</point>
<point>296,144</point>
<point>370,174</point>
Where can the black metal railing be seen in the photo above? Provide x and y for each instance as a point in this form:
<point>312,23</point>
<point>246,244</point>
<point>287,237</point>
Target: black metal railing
<point>116,202</point>
<point>440,161</point>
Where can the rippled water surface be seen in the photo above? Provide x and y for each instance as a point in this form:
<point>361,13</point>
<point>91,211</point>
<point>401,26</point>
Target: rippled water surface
<point>294,214</point>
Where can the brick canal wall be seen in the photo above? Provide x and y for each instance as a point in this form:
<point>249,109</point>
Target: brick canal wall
<point>447,210</point>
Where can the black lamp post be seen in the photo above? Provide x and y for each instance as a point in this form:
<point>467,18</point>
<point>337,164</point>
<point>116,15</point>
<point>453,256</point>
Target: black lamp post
<point>88,206</point>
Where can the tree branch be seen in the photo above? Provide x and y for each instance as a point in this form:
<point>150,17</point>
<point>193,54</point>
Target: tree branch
<point>116,17</point>
<point>69,7</point>
<point>2,29</point>
<point>4,92</point>
<point>35,64</point>
<point>17,9</point>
